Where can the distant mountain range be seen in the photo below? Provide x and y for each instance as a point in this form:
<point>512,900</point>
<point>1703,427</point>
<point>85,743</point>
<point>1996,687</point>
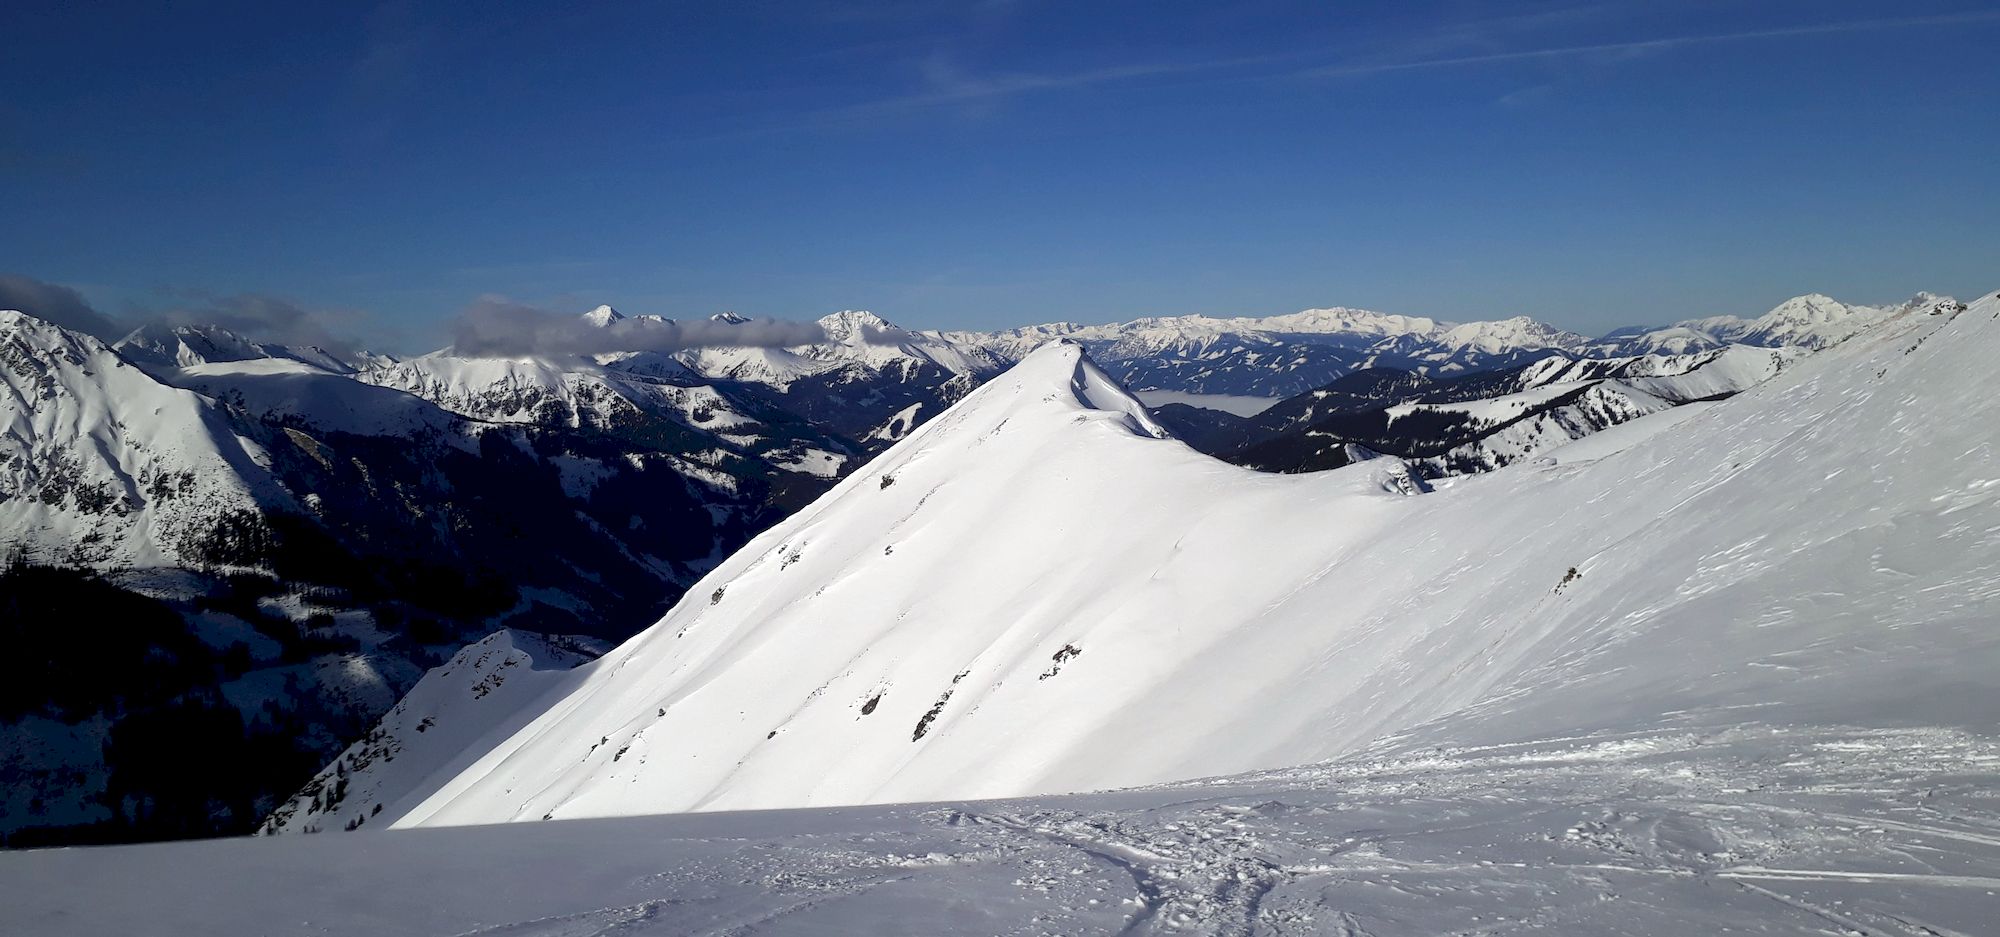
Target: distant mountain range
<point>322,527</point>
<point>1042,591</point>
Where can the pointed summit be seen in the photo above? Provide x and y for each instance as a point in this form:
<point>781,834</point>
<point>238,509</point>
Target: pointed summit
<point>602,316</point>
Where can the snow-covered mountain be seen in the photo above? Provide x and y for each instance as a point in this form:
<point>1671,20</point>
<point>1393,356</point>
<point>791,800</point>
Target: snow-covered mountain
<point>1282,356</point>
<point>1036,592</point>
<point>867,379</point>
<point>295,546</point>
<point>573,392</point>
<point>657,400</point>
<point>858,344</point>
<point>101,464</point>
<point>808,409</point>
<point>162,346</point>
<point>1812,322</point>
<point>1269,356</point>
<point>418,504</point>
<point>1455,425</point>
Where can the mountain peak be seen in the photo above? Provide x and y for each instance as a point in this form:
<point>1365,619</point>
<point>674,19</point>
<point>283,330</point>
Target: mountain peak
<point>602,316</point>
<point>1808,305</point>
<point>729,317</point>
<point>1516,333</point>
<point>849,325</point>
<point>1062,366</point>
<point>40,337</point>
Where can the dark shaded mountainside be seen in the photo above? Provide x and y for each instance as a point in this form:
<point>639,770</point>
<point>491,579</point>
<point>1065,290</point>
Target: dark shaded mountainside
<point>226,571</point>
<point>227,560</point>
<point>1461,424</point>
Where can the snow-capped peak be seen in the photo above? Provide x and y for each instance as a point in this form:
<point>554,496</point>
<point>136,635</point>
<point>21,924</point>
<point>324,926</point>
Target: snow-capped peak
<point>1810,309</point>
<point>1519,333</point>
<point>603,316</point>
<point>1337,319</point>
<point>729,317</point>
<point>851,325</point>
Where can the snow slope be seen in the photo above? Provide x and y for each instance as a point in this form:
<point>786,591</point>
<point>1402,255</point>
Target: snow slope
<point>1663,831</point>
<point>1624,436</point>
<point>1035,594</point>
<point>102,464</point>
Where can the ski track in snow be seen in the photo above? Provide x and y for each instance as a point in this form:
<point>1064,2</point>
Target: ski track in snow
<point>1725,829</point>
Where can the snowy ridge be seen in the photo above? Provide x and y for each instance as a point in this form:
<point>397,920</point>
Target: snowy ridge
<point>1281,356</point>
<point>101,464</point>
<point>289,391</point>
<point>1508,335</point>
<point>1475,423</point>
<point>857,341</point>
<point>1082,654</point>
<point>160,346</point>
<point>1697,376</point>
<point>1812,321</point>
<point>572,392</point>
<point>1161,334</point>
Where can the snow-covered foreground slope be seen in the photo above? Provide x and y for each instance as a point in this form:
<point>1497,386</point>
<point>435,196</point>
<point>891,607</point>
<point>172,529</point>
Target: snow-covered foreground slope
<point>1034,594</point>
<point>1668,831</point>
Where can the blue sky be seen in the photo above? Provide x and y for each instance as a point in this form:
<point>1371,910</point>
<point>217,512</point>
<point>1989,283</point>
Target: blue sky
<point>999,163</point>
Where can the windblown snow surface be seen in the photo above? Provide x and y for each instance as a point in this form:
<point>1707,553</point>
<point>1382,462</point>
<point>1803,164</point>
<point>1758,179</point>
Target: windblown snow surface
<point>1738,677</point>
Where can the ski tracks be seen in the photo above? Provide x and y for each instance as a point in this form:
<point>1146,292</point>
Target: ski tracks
<point>1881,832</point>
<point>1207,872</point>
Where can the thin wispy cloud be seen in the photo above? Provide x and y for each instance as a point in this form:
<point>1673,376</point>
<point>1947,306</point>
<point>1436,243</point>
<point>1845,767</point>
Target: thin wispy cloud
<point>1653,45</point>
<point>945,84</point>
